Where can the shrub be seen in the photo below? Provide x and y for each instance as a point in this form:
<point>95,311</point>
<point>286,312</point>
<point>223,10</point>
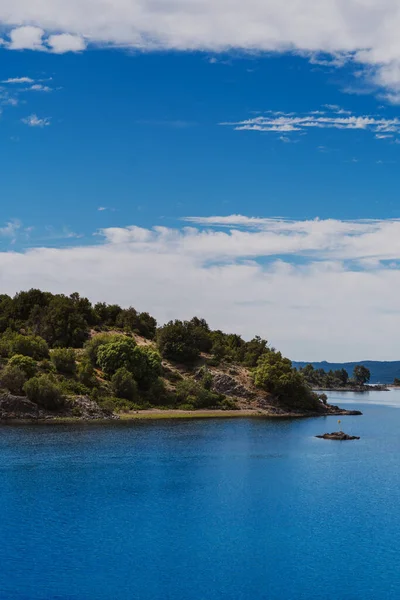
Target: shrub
<point>25,363</point>
<point>86,373</point>
<point>124,385</point>
<point>64,360</point>
<point>44,391</point>
<point>13,379</point>
<point>142,362</point>
<point>275,374</point>
<point>158,395</point>
<point>27,345</point>
<point>190,392</point>
<point>93,345</point>
<point>178,341</point>
<point>47,366</point>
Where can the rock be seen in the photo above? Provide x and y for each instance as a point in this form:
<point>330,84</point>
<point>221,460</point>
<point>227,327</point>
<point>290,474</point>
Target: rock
<point>18,407</point>
<point>80,407</point>
<point>87,409</point>
<point>227,385</point>
<point>337,435</point>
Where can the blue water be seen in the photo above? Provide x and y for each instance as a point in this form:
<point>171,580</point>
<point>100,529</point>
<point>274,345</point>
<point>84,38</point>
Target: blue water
<point>203,509</point>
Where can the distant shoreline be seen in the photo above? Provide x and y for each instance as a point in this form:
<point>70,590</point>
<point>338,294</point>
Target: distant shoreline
<point>356,389</point>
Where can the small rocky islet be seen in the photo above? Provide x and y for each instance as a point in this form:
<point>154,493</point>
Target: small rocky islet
<point>338,435</point>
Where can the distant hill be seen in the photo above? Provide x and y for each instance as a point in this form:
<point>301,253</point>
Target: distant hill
<point>381,371</point>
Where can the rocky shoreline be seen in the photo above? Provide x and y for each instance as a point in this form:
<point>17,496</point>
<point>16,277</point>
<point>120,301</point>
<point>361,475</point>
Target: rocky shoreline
<point>82,408</point>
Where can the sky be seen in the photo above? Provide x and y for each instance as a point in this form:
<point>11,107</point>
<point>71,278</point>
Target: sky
<point>234,161</point>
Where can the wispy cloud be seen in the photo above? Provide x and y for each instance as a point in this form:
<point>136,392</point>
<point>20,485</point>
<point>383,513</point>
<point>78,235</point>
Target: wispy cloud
<point>18,80</point>
<point>279,122</point>
<point>35,121</point>
<point>10,229</point>
<point>38,87</point>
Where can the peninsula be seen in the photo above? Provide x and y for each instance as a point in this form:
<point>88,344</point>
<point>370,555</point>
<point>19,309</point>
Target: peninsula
<point>64,358</point>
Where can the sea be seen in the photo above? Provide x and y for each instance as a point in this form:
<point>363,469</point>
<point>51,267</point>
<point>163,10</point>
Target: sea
<point>204,509</point>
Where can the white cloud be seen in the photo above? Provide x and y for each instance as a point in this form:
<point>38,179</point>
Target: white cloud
<point>301,284</point>
<point>18,80</point>
<point>26,38</point>
<point>38,87</point>
<point>328,32</point>
<point>66,42</point>
<point>35,121</point>
<point>288,123</point>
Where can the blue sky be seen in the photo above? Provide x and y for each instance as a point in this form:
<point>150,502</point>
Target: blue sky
<point>131,144</point>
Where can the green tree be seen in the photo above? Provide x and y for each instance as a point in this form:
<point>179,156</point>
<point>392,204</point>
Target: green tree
<point>93,345</point>
<point>124,385</point>
<point>275,374</point>
<point>86,374</point>
<point>28,345</point>
<point>64,360</point>
<point>142,362</point>
<point>27,364</point>
<point>63,323</point>
<point>361,374</point>
<point>44,391</point>
<point>179,341</point>
<point>13,379</point>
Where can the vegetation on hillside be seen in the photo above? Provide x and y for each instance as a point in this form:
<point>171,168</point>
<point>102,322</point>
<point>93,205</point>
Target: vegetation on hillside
<point>53,346</point>
<point>318,378</point>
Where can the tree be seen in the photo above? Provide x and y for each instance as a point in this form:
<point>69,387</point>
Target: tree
<point>62,324</point>
<point>123,384</point>
<point>13,379</point>
<point>343,376</point>
<point>142,362</point>
<point>86,374</point>
<point>361,374</point>
<point>93,345</point>
<point>107,314</point>
<point>179,341</point>
<point>64,360</point>
<point>275,374</point>
<point>28,345</point>
<point>24,363</point>
<point>44,391</point>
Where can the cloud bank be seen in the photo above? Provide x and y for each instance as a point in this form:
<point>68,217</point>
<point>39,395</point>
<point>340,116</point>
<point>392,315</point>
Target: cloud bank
<point>328,32</point>
<point>318,289</point>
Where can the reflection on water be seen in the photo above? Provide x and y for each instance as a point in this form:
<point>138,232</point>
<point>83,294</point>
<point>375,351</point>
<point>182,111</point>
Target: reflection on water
<point>390,398</point>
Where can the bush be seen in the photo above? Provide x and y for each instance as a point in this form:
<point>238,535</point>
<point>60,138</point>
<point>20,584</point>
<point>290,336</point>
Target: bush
<point>64,360</point>
<point>178,341</point>
<point>191,393</point>
<point>47,366</point>
<point>158,395</point>
<point>25,363</point>
<point>93,345</point>
<point>45,392</point>
<point>86,374</point>
<point>123,384</point>
<point>28,345</point>
<point>144,363</point>
<point>13,379</point>
<point>276,375</point>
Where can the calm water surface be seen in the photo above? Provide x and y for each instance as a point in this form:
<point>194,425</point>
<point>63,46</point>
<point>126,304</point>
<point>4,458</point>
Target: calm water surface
<point>215,510</point>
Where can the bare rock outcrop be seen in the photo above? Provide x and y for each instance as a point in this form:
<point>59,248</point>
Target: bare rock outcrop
<point>337,435</point>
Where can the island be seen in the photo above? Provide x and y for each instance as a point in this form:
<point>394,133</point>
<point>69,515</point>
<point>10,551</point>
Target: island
<point>61,357</point>
<point>337,435</point>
